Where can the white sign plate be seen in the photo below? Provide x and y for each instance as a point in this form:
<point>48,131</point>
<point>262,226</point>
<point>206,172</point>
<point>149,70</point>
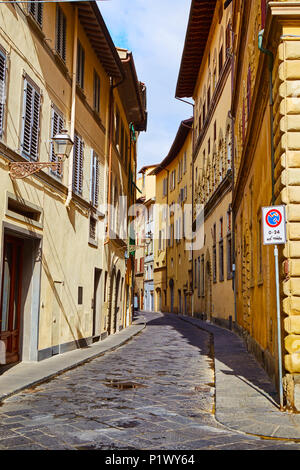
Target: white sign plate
<point>274,225</point>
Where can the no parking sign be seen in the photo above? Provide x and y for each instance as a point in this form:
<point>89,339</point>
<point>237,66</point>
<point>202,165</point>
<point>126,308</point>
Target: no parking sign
<point>274,225</point>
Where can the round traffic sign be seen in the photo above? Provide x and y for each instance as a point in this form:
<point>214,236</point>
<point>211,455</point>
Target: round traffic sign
<point>273,218</point>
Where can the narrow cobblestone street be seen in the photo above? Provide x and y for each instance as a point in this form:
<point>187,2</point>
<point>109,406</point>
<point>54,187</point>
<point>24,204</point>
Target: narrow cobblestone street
<point>155,392</point>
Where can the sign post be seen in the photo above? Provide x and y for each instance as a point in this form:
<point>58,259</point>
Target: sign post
<point>274,233</point>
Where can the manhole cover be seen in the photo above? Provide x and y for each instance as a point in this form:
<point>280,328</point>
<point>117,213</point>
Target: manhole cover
<point>123,385</point>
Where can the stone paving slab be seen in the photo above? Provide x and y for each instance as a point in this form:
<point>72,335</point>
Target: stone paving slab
<point>246,399</point>
<point>28,374</point>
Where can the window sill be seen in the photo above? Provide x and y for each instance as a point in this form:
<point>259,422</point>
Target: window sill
<point>35,26</point>
<point>61,64</point>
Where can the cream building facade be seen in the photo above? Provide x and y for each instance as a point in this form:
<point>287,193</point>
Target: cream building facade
<point>65,278</point>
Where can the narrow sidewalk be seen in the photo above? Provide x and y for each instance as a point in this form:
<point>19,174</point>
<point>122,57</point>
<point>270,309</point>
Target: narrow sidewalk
<point>28,374</point>
<point>246,399</point>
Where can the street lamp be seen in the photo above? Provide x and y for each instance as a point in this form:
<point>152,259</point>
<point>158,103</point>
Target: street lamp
<point>62,146</point>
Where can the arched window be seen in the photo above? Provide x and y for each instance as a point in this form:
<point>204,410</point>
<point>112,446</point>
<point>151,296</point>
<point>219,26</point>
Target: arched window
<point>228,148</point>
<point>220,163</point>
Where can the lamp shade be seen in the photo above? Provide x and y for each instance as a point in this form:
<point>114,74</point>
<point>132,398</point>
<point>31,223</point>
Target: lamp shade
<point>62,144</point>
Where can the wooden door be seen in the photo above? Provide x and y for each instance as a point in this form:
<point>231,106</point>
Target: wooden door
<point>11,297</point>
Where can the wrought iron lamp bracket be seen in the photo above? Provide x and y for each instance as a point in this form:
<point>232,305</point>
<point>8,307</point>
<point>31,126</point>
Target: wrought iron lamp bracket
<point>23,169</point>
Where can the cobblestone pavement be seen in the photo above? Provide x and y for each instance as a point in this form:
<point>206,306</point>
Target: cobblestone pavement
<point>155,392</point>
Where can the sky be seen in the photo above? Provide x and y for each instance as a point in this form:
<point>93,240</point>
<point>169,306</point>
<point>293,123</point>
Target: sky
<point>154,31</point>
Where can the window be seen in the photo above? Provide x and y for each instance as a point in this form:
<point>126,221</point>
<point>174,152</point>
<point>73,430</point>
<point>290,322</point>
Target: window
<point>248,91</point>
<point>229,257</point>
<point>214,79</point>
<point>202,276</point>
<point>2,90</point>
<point>228,221</point>
<point>214,254</point>
<point>172,180</point>
<point>36,10</point>
<point>221,261</point>
<point>122,148</point>
<point>126,149</point>
<point>80,295</point>
<point>208,147</point>
<point>263,4</point>
<point>203,112</point>
<point>165,186</point>
<point>93,228</point>
<point>94,179</point>
<point>220,60</point>
<point>80,65</point>
<point>208,98</point>
<point>215,130</point>
<point>117,128</point>
<point>184,163</point>
<point>57,124</point>
<point>61,28</point>
<point>31,121</point>
<point>259,251</point>
<point>96,92</point>
<point>221,252</point>
<point>77,164</point>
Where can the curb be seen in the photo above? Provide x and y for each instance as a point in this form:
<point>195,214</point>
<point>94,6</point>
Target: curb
<point>48,377</point>
<point>236,429</point>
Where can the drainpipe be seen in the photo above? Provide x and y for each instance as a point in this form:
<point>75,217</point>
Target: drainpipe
<point>193,144</point>
<point>73,108</point>
<point>270,67</point>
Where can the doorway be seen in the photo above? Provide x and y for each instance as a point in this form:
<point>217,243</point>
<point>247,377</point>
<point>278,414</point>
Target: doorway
<point>96,305</point>
<point>11,290</point>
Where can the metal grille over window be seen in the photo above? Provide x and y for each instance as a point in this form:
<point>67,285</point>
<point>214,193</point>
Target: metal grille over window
<point>78,165</point>
<point>57,126</point>
<point>36,10</point>
<point>31,121</point>
<point>2,90</point>
<point>61,28</point>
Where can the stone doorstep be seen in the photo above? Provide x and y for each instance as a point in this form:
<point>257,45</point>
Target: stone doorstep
<point>29,374</point>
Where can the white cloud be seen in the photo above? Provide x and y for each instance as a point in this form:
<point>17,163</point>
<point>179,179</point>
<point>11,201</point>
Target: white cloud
<point>154,30</point>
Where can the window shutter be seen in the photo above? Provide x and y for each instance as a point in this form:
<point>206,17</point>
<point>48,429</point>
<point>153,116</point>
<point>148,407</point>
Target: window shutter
<point>36,10</point>
<point>61,27</point>
<point>31,121</point>
<point>57,126</point>
<point>2,90</point>
<point>95,180</point>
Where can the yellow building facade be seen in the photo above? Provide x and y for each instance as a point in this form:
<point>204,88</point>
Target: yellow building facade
<point>65,277</point>
<point>173,217</point>
<point>262,123</point>
<point>205,76</point>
